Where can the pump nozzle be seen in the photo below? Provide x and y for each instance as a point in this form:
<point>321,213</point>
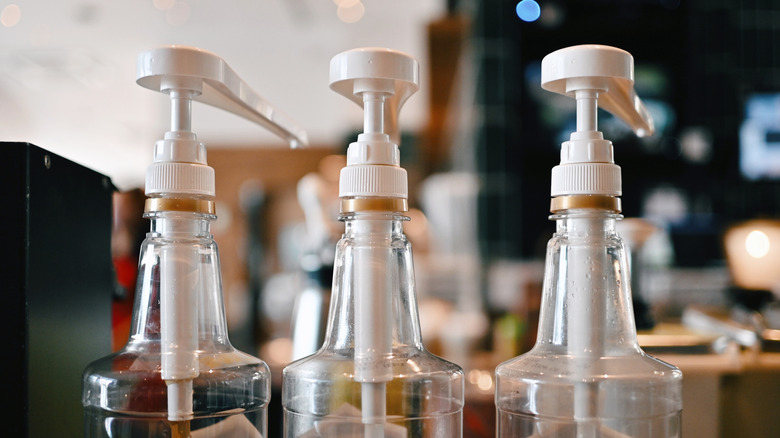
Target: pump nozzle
<point>186,74</point>
<point>607,71</point>
<point>363,75</point>
<point>212,81</point>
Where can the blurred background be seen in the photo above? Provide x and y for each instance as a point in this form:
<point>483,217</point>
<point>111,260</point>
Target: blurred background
<point>701,196</point>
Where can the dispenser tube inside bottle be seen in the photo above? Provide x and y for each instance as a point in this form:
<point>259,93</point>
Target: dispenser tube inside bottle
<point>179,327</point>
<point>585,314</point>
<point>373,322</point>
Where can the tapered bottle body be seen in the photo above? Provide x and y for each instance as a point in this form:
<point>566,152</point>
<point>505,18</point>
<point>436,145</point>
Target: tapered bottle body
<point>372,377</point>
<point>586,376</point>
<point>125,395</point>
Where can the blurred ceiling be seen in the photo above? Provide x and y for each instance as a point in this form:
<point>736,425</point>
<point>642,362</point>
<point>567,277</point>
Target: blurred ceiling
<point>67,70</point>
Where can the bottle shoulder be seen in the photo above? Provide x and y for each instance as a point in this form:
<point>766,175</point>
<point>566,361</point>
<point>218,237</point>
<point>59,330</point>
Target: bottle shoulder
<point>630,364</point>
<point>146,359</point>
<point>130,375</point>
<point>404,362</point>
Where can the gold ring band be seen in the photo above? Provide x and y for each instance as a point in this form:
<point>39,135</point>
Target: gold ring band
<point>601,202</point>
<point>374,204</point>
<point>173,204</point>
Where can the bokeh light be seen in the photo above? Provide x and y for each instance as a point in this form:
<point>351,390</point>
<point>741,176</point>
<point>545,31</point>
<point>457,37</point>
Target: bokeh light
<point>11,15</point>
<point>757,244</point>
<point>350,11</point>
<point>528,10</point>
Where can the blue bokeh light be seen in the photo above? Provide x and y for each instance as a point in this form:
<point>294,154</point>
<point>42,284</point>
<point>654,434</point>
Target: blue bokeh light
<point>528,10</point>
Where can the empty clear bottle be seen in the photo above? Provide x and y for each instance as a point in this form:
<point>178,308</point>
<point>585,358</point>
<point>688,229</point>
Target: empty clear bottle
<point>373,378</point>
<point>586,376</point>
<point>179,376</point>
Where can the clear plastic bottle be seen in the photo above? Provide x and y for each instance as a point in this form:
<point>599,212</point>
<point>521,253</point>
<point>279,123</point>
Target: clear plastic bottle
<point>179,376</point>
<point>587,376</point>
<point>409,391</point>
<point>125,395</point>
<point>373,378</point>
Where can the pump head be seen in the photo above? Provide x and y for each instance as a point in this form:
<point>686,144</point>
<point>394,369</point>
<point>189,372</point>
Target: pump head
<point>187,74</point>
<point>595,76</point>
<point>380,80</point>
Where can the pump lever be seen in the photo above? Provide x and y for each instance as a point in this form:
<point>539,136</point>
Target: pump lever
<point>607,69</point>
<point>394,74</point>
<point>213,82</point>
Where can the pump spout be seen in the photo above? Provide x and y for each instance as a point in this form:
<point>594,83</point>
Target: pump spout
<point>372,69</point>
<point>608,70</point>
<point>211,80</point>
<point>623,102</point>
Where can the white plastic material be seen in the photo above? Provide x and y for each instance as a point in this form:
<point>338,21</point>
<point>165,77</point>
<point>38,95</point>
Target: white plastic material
<point>596,76</point>
<point>380,80</point>
<point>179,328</point>
<point>186,74</point>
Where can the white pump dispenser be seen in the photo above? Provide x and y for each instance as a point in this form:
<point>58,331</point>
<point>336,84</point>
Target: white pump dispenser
<point>373,378</point>
<point>379,80</point>
<point>188,74</point>
<point>586,376</point>
<point>179,364</point>
<point>595,76</point>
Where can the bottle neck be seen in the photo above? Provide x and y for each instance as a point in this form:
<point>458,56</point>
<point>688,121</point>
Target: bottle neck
<point>586,303</point>
<point>586,222</point>
<point>374,304</point>
<point>373,225</point>
<point>177,224</point>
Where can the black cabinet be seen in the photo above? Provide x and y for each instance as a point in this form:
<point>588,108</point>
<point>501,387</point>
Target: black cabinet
<point>57,283</point>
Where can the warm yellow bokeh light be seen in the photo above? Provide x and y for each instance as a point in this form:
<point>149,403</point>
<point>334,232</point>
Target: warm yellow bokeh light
<point>11,15</point>
<point>757,244</point>
<point>351,11</point>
